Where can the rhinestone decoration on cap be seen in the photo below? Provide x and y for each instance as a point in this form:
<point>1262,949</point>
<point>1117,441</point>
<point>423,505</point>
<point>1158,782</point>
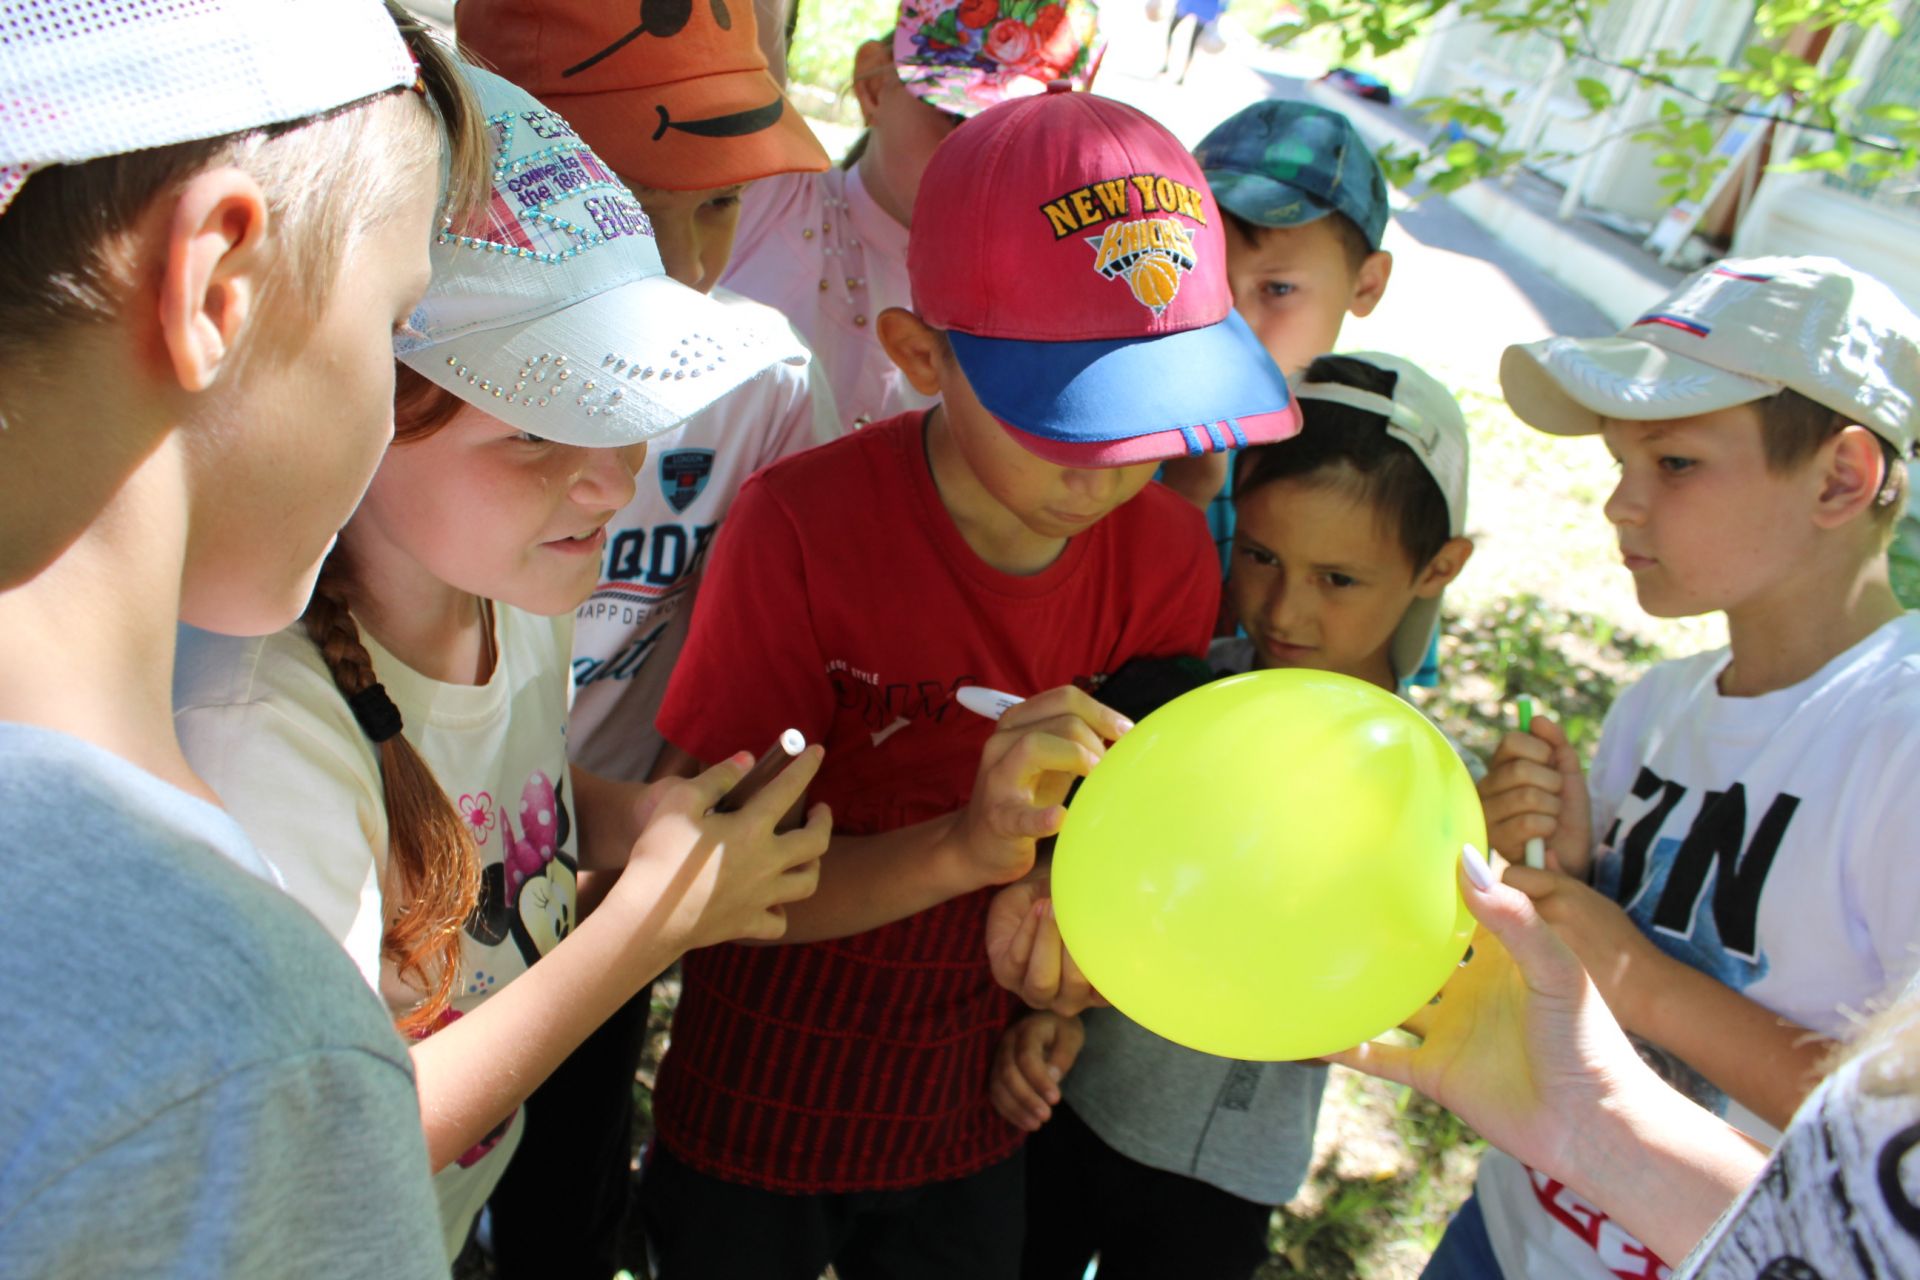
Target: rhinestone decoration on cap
<point>518,221</point>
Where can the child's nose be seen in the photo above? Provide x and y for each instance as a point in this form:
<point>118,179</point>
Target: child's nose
<point>605,476</point>
<point>1624,505</point>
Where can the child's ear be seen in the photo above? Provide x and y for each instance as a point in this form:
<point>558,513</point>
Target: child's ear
<point>1445,566</point>
<point>871,60</point>
<point>1853,469</point>
<point>913,346</point>
<point>215,245</point>
<point>1370,282</point>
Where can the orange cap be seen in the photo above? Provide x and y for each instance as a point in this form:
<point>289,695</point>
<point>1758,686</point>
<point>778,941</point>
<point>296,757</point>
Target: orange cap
<point>679,99</point>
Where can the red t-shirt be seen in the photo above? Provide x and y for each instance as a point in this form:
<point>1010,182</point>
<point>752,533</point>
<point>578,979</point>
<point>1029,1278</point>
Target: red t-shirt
<point>842,601</point>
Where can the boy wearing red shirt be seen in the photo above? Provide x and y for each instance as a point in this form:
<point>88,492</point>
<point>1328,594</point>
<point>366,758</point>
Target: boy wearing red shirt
<point>825,1101</point>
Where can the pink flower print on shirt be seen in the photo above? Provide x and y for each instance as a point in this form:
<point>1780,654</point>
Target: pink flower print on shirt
<point>478,811</point>
<point>475,1153</point>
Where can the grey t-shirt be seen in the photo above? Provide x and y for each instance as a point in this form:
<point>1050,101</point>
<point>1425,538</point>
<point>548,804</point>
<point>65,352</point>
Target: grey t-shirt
<point>194,1080</point>
<point>1244,1127</point>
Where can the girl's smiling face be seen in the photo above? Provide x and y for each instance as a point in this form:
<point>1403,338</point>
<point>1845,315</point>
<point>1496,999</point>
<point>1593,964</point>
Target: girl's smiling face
<point>497,513</point>
<point>1319,578</point>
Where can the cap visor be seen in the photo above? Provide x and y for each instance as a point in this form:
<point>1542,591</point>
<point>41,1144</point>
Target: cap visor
<point>1567,386</point>
<point>967,91</point>
<point>1264,201</point>
<point>692,135</point>
<point>1115,403</point>
<point>638,360</point>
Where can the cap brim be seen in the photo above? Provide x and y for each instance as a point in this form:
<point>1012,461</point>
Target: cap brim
<point>1568,386</point>
<point>563,378</point>
<point>692,135</point>
<point>967,91</point>
<point>1116,403</point>
<point>1264,201</point>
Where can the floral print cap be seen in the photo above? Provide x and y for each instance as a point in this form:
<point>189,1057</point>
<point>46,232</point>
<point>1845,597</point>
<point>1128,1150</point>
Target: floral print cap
<point>964,56</point>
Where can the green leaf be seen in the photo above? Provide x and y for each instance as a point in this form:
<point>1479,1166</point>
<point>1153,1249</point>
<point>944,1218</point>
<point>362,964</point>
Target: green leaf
<point>1598,96</point>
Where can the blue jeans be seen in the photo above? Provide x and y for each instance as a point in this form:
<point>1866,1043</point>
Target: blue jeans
<point>1465,1252</point>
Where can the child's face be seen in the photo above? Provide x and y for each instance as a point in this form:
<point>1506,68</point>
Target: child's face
<point>693,229</point>
<point>1318,580</point>
<point>1703,524</point>
<point>304,428</point>
<point>500,514</point>
<point>1050,500</point>
<point>1294,288</point>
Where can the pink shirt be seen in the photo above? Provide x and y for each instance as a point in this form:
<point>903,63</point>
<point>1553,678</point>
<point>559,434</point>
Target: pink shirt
<point>816,247</point>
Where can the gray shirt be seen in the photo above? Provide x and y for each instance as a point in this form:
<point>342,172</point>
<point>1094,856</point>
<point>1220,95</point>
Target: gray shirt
<point>194,1081</point>
<point>1244,1127</point>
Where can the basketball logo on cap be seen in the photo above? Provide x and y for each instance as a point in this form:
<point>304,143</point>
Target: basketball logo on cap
<point>1150,252</point>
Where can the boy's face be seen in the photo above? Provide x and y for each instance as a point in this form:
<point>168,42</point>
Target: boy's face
<point>693,230</point>
<point>304,426</point>
<point>1294,287</point>
<point>498,513</point>
<point>1704,525</point>
<point>1050,500</point>
<point>1318,580</point>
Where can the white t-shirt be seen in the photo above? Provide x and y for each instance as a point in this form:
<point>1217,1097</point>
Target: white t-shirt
<point>1768,842</point>
<point>628,634</point>
<point>263,722</point>
<point>816,248</point>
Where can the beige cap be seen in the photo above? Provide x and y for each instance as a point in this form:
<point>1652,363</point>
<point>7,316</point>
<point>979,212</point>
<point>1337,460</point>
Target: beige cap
<point>1736,332</point>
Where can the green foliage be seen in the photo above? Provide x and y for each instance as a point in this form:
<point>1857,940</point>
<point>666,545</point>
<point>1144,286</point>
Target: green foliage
<point>1904,556</point>
<point>1869,142</point>
<point>1572,664</point>
<point>827,33</point>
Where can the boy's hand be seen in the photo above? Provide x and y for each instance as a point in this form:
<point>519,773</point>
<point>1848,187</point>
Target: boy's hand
<point>1535,789</point>
<point>1038,748</point>
<point>1616,955</point>
<point>706,877</point>
<point>1034,1056</point>
<point>1028,956</point>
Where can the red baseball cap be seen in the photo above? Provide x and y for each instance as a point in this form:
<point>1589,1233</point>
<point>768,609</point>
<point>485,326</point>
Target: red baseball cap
<point>1070,248</point>
<point>680,100</point>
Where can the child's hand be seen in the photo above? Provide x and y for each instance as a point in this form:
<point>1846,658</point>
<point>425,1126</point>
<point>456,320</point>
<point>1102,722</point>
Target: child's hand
<point>1019,793</point>
<point>706,877</point>
<point>1535,789</point>
<point>1033,1058</point>
<point>1597,930</point>
<point>1028,956</point>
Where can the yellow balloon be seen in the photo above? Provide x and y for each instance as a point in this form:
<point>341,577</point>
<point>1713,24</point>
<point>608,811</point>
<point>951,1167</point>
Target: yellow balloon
<point>1264,868</point>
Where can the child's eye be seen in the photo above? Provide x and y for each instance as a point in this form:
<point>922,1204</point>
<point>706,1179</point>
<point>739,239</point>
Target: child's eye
<point>527,437</point>
<point>1674,466</point>
<point>1341,580</point>
<point>1265,559</point>
<point>1275,289</point>
<point>724,202</point>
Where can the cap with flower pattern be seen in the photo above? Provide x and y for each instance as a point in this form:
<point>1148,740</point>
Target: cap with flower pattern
<point>964,56</point>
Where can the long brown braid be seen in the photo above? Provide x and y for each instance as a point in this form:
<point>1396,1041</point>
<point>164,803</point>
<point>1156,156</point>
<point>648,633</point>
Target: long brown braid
<point>434,865</point>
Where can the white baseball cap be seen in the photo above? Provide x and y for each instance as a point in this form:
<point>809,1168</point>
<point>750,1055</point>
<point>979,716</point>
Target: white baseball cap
<point>1424,416</point>
<point>1739,331</point>
<point>82,79</point>
<point>551,310</point>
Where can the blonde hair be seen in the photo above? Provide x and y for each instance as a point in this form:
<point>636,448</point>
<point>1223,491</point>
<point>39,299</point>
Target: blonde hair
<point>64,241</point>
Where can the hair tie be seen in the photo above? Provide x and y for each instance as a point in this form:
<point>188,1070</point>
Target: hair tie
<point>379,718</point>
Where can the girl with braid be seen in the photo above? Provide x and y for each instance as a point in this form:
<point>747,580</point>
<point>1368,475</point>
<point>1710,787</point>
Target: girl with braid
<point>399,757</point>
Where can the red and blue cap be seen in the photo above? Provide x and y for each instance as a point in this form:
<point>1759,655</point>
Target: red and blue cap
<point>1070,248</point>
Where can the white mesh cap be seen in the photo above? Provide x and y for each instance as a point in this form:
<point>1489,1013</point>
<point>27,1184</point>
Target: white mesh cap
<point>550,309</point>
<point>82,79</point>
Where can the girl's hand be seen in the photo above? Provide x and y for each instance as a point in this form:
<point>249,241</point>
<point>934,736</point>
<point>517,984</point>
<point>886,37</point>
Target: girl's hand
<point>1534,789</point>
<point>1033,1058</point>
<point>1020,790</point>
<point>706,877</point>
<point>1028,956</point>
<point>1520,1045</point>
